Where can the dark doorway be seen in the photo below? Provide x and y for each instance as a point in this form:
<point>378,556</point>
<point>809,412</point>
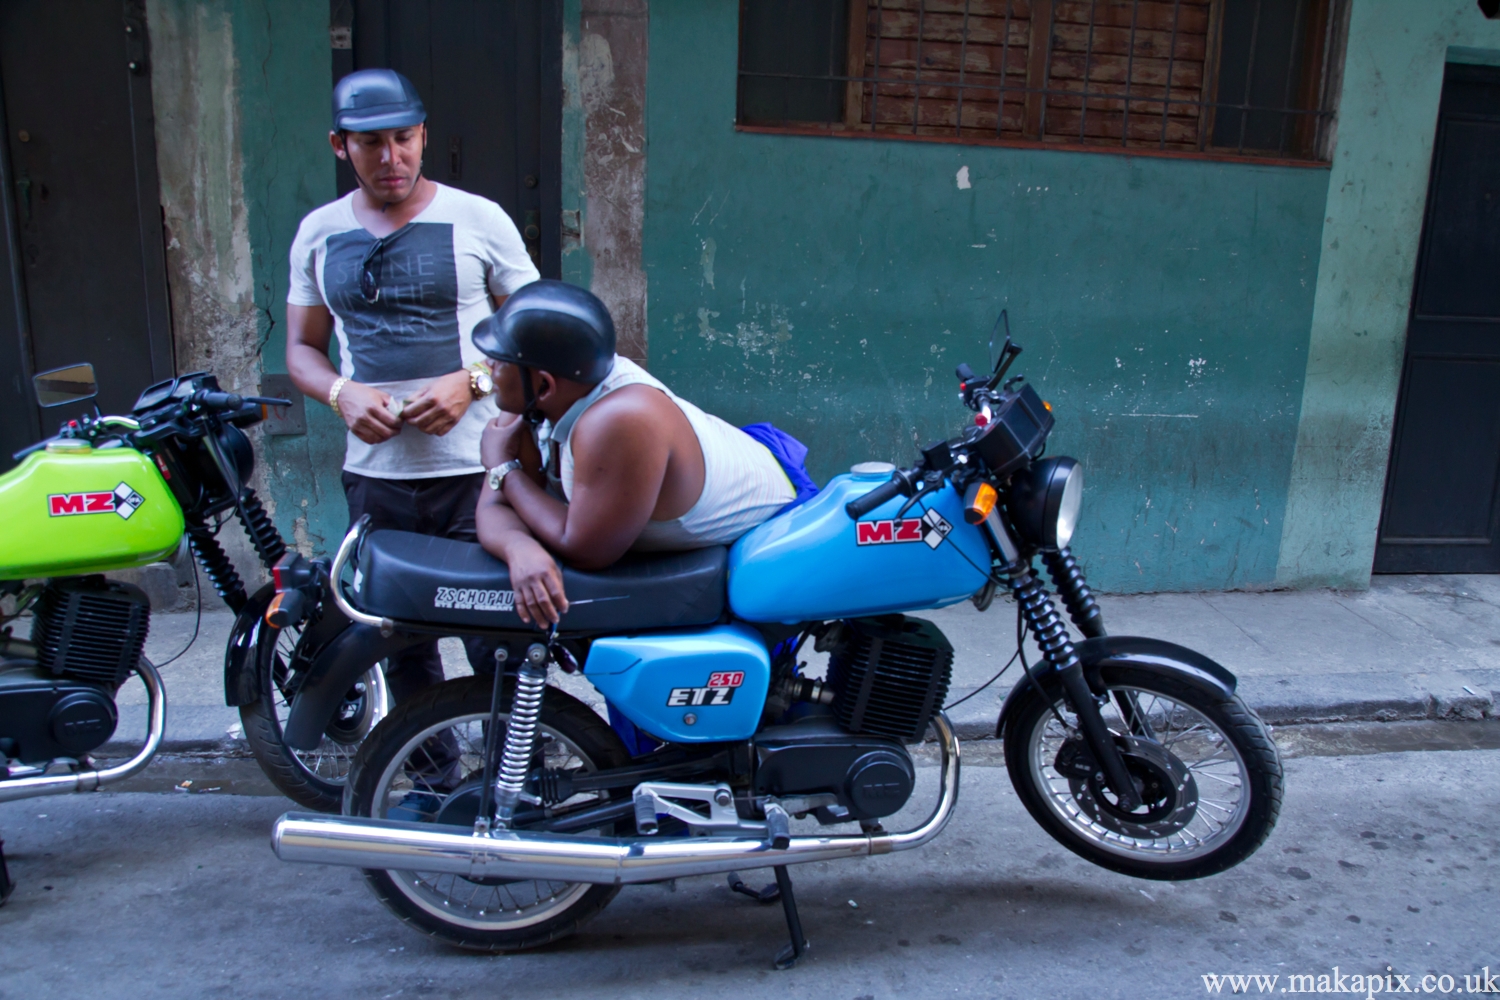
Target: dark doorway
<point>490,75</point>
<point>1441,512</point>
<point>84,278</point>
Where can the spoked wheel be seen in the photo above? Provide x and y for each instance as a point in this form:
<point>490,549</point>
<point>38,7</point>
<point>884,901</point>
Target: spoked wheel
<point>425,762</point>
<point>1206,769</point>
<point>314,778</point>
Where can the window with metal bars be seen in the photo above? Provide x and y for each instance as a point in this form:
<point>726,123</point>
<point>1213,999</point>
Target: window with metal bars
<point>1189,77</point>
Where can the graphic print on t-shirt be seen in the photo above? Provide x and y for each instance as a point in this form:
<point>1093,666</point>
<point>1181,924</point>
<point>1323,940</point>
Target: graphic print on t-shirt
<point>411,329</point>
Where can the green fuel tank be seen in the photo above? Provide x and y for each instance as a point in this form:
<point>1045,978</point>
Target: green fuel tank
<point>73,509</point>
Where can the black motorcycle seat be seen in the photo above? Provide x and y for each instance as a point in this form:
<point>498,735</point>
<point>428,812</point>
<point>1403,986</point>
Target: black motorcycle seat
<point>419,578</point>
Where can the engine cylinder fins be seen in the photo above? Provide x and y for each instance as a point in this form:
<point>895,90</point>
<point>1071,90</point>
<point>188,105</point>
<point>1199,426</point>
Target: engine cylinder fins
<point>890,675</point>
<point>91,629</point>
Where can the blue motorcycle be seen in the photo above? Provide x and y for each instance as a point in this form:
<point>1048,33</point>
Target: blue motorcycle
<point>499,813</point>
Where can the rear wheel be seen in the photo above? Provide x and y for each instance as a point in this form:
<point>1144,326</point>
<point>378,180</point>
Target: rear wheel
<point>1206,768</point>
<point>313,778</point>
<point>424,763</point>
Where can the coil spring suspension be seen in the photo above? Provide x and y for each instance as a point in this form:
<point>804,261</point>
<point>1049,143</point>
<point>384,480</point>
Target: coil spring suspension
<point>520,733</point>
<point>1074,590</point>
<point>1042,618</point>
<point>263,534</point>
<point>216,566</point>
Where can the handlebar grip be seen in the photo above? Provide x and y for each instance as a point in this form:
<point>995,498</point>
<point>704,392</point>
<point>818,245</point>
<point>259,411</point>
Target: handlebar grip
<point>220,400</point>
<point>861,506</point>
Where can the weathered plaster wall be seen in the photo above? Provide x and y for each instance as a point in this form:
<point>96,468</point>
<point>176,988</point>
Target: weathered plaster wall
<point>285,83</point>
<point>831,285</point>
<point>1393,75</point>
<point>611,60</point>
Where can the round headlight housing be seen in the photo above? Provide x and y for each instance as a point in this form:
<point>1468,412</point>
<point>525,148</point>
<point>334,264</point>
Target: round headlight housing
<point>1045,501</point>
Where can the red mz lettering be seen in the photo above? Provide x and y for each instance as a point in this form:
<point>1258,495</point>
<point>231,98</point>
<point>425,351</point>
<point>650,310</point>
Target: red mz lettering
<point>885,532</point>
<point>726,679</point>
<point>59,504</point>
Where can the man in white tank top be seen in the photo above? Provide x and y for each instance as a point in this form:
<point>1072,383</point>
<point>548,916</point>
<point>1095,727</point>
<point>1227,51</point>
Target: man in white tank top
<point>631,465</point>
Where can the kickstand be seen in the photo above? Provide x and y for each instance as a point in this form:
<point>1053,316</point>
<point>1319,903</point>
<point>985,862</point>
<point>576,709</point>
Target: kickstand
<point>769,894</point>
<point>6,885</point>
<point>788,956</point>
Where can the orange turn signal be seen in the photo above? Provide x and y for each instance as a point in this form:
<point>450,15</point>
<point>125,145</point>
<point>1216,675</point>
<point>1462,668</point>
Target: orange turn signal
<point>979,506</point>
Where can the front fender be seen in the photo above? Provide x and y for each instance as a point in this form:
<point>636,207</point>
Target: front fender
<point>1106,654</point>
<point>241,686</point>
<point>334,670</point>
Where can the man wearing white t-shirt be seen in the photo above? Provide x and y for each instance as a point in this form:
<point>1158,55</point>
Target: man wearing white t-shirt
<point>398,272</point>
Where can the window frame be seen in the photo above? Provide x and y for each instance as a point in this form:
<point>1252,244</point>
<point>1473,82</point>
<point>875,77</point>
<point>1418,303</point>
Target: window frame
<point>1318,89</point>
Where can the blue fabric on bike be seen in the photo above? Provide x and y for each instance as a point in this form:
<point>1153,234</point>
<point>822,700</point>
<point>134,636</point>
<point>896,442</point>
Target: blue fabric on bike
<point>792,454</point>
<point>636,742</point>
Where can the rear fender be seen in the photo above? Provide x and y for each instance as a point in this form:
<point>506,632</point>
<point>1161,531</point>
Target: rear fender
<point>334,670</point>
<point>1104,656</point>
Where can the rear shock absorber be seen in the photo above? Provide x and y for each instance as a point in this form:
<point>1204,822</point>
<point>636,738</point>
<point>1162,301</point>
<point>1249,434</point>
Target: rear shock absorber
<point>520,733</point>
<point>1074,590</point>
<point>263,534</point>
<point>216,566</point>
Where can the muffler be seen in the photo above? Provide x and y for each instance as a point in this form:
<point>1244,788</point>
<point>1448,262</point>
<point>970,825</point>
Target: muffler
<point>96,778</point>
<point>512,854</point>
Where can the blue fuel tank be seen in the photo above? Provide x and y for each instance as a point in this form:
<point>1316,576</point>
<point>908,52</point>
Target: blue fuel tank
<point>814,563</point>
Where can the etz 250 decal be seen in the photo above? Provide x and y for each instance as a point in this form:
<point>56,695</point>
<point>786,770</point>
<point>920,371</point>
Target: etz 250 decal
<point>123,501</point>
<point>931,528</point>
<point>718,691</point>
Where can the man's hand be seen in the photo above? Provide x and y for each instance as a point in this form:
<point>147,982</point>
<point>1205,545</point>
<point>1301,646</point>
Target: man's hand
<point>537,582</point>
<point>439,407</point>
<point>364,411</point>
<point>502,439</point>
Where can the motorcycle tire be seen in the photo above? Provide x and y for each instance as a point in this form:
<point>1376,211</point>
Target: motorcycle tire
<point>1180,832</point>
<point>383,766</point>
<point>315,779</point>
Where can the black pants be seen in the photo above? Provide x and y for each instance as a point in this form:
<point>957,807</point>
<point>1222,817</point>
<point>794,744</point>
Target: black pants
<point>444,507</point>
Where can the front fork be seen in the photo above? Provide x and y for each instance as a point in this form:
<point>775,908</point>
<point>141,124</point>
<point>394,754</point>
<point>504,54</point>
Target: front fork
<point>1057,647</point>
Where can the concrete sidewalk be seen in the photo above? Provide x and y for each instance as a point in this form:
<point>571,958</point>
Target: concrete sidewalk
<point>1410,647</point>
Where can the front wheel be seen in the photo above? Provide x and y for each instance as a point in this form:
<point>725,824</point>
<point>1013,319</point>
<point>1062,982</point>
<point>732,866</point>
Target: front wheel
<point>1206,767</point>
<point>424,763</point>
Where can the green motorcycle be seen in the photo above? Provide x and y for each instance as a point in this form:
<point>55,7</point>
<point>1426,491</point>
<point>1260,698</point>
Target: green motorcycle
<point>116,492</point>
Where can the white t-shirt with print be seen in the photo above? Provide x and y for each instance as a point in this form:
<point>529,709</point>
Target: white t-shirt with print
<point>436,277</point>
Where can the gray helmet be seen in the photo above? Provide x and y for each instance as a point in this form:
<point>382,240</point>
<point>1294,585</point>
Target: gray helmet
<point>369,100</point>
<point>551,326</point>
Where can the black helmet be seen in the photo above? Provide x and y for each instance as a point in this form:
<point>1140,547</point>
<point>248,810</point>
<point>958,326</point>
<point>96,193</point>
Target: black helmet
<point>554,327</point>
<point>369,100</point>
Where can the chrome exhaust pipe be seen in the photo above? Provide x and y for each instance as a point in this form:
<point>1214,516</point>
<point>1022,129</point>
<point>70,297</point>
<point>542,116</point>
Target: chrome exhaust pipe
<point>94,778</point>
<point>512,854</point>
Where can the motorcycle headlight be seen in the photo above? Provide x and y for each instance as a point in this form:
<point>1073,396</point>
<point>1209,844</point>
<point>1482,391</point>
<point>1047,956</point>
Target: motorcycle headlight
<point>1045,500</point>
<point>238,450</point>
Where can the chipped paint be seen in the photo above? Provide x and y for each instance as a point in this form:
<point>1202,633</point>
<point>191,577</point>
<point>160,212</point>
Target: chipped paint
<point>963,179</point>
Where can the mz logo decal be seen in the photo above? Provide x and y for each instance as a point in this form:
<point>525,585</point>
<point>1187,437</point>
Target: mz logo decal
<point>123,501</point>
<point>931,528</point>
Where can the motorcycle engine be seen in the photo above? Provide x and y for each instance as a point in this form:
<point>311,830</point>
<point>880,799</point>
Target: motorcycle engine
<point>870,776</point>
<point>57,691</point>
<point>889,674</point>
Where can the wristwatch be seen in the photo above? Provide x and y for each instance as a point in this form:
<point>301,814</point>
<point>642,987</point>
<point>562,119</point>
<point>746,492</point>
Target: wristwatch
<point>496,479</point>
<point>480,382</point>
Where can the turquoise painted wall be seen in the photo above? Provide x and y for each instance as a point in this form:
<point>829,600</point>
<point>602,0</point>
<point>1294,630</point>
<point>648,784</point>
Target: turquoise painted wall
<point>831,285</point>
<point>1393,78</point>
<point>286,81</point>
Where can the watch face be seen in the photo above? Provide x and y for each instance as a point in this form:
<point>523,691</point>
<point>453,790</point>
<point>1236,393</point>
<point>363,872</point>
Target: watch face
<point>484,383</point>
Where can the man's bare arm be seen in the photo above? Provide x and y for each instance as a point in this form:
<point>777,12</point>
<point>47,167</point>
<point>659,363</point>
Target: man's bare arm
<point>362,408</point>
<point>619,462</point>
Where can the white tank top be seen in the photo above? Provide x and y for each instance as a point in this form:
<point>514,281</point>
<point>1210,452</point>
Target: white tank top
<point>743,484</point>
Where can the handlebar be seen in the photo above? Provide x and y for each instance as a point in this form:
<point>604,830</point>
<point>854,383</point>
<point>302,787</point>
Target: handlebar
<point>861,506</point>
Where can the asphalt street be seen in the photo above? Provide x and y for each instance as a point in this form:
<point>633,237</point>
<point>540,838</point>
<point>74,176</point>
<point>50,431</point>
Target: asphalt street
<point>1384,862</point>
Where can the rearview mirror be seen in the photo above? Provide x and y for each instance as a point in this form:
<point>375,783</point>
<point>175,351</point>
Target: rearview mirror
<point>62,386</point>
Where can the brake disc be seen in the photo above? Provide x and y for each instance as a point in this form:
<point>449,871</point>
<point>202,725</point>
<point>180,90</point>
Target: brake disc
<point>1169,795</point>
